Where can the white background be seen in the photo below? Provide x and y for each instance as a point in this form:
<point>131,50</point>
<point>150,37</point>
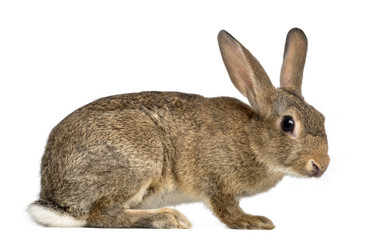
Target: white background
<point>56,56</point>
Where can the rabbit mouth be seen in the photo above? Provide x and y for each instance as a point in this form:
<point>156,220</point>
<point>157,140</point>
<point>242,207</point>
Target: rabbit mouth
<point>312,168</point>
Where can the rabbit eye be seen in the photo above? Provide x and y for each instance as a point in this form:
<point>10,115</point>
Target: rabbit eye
<point>287,124</point>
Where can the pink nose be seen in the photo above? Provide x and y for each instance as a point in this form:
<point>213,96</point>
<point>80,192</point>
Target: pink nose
<point>316,169</point>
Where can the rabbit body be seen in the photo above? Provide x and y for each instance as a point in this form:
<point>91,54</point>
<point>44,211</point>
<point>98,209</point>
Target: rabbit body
<point>118,160</point>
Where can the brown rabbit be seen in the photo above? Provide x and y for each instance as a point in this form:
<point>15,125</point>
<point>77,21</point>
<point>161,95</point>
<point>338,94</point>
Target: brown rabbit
<point>116,161</point>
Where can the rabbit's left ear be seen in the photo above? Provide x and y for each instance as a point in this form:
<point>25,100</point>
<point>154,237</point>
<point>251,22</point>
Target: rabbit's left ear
<point>246,73</point>
<point>296,46</point>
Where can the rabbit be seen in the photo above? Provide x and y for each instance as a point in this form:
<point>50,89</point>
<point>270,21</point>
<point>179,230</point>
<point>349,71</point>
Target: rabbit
<point>119,161</point>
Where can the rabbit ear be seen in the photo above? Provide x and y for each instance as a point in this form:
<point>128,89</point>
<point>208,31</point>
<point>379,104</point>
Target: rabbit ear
<point>246,73</point>
<point>296,46</point>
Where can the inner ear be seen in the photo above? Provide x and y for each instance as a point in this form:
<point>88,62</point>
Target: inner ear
<point>246,73</point>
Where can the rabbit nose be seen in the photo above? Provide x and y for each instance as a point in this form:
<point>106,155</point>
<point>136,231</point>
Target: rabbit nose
<point>315,169</point>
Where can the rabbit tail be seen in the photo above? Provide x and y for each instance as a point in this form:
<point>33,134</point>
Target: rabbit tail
<point>49,214</point>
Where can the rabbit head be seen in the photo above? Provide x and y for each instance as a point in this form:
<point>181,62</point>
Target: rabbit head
<point>289,134</point>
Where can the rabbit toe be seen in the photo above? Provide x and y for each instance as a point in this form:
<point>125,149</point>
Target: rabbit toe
<point>251,222</point>
<point>171,218</point>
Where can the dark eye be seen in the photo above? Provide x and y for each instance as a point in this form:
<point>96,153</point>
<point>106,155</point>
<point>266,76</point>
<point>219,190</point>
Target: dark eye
<point>287,124</point>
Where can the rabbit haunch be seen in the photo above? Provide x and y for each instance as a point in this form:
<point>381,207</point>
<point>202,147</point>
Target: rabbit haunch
<point>116,161</point>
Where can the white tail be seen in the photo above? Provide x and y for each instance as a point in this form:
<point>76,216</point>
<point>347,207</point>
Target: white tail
<point>52,218</point>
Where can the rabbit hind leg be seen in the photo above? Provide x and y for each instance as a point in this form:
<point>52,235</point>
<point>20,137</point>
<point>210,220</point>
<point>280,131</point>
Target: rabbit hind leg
<point>105,214</point>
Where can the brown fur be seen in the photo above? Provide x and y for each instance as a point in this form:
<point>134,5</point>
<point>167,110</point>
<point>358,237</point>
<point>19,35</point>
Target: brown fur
<point>113,162</point>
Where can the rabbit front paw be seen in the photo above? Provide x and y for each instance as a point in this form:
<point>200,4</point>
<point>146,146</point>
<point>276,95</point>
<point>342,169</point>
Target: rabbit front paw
<point>250,222</point>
